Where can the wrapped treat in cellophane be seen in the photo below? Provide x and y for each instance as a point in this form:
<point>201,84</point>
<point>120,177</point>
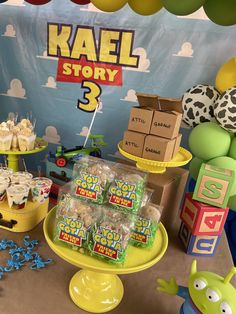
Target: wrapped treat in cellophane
<point>110,236</point>
<point>74,220</point>
<point>146,225</point>
<point>126,191</point>
<point>92,177</point>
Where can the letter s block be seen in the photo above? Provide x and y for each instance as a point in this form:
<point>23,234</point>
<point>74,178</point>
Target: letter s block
<point>198,245</point>
<point>213,185</point>
<point>202,219</point>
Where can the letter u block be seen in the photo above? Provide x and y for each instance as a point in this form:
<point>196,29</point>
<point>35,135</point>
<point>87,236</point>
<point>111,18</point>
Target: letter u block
<point>198,245</point>
<point>213,185</point>
<point>202,219</point>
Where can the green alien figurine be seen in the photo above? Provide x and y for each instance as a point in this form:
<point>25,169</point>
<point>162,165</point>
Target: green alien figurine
<point>207,293</point>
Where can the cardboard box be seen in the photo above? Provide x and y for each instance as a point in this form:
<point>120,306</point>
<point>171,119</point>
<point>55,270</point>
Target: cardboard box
<point>166,124</point>
<point>158,148</point>
<point>148,100</point>
<point>168,189</point>
<point>140,119</point>
<point>133,143</point>
<point>168,192</point>
<point>177,145</point>
<point>171,104</point>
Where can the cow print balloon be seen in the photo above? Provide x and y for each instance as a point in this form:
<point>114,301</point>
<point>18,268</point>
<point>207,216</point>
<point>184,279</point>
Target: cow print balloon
<point>225,110</point>
<point>197,104</point>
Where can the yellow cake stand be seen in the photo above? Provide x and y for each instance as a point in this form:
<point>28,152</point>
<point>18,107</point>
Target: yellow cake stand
<point>97,288</point>
<point>13,156</point>
<point>182,158</point>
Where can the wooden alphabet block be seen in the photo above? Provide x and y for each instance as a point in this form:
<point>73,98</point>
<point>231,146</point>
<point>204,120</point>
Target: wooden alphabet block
<point>203,219</point>
<point>213,185</point>
<point>198,245</point>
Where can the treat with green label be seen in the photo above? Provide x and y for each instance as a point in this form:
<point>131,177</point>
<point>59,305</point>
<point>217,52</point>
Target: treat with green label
<point>74,220</point>
<point>92,177</point>
<point>109,238</point>
<point>146,225</point>
<point>126,191</point>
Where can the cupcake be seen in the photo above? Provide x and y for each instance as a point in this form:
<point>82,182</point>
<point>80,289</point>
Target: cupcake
<point>5,137</point>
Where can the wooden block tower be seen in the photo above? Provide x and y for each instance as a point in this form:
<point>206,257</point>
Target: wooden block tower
<point>204,212</point>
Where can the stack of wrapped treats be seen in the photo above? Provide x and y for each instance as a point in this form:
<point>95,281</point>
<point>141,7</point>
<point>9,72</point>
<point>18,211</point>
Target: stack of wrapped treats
<point>17,136</point>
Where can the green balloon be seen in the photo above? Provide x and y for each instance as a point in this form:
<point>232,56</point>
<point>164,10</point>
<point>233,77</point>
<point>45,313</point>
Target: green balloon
<point>182,7</point>
<point>232,150</point>
<point>208,140</point>
<point>194,167</point>
<point>227,163</point>
<point>222,12</point>
<point>232,203</point>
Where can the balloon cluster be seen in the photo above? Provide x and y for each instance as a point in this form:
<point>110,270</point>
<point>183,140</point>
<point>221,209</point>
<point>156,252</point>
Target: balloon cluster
<point>213,117</point>
<point>219,11</point>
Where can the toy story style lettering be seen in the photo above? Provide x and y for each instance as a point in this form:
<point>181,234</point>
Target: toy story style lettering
<point>107,243</point>
<point>72,231</point>
<point>83,59</point>
<point>123,194</point>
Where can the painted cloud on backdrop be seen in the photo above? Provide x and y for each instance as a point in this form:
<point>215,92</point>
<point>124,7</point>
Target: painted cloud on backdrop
<point>51,83</point>
<point>51,135</point>
<point>197,15</point>
<point>91,8</point>
<point>45,56</point>
<point>131,96</point>
<point>16,90</point>
<point>186,50</point>
<point>10,31</point>
<point>84,131</point>
<point>144,63</point>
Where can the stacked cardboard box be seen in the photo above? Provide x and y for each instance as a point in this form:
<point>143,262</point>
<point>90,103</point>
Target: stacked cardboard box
<point>153,130</point>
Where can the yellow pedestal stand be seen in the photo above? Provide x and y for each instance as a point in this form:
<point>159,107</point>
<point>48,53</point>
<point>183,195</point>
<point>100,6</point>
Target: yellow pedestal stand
<point>13,156</point>
<point>97,288</point>
<point>182,158</point>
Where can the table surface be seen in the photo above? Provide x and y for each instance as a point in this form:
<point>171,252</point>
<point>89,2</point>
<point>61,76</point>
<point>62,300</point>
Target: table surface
<point>45,291</point>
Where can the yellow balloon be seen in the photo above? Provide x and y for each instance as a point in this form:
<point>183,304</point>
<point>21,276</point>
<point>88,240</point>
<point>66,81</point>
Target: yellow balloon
<point>145,7</point>
<point>226,76</point>
<point>109,5</point>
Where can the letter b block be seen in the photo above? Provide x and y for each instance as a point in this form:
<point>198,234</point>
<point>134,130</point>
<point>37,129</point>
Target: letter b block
<point>202,219</point>
<point>198,245</point>
<point>213,185</point>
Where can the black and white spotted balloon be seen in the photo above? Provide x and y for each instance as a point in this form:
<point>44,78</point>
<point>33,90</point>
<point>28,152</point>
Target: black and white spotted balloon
<point>197,104</point>
<point>225,110</point>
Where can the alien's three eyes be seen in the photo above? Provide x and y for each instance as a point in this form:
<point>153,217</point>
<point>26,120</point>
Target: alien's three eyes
<point>212,296</point>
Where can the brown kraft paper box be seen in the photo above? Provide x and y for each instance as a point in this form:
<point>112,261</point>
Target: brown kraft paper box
<point>148,100</point>
<point>133,143</point>
<point>168,189</point>
<point>177,145</point>
<point>158,148</point>
<point>171,104</point>
<point>166,124</point>
<point>140,119</point>
<point>168,192</point>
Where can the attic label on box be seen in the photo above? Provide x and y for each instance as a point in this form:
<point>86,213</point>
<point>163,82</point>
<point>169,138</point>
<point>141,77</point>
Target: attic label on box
<point>88,186</point>
<point>138,120</point>
<point>133,144</point>
<point>71,231</point>
<point>107,243</point>
<point>142,230</point>
<point>123,194</point>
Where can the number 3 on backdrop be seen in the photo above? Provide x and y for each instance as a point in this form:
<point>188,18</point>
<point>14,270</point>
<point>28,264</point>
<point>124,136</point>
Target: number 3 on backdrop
<point>90,96</point>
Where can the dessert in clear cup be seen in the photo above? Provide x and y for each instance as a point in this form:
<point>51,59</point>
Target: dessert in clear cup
<point>26,139</point>
<point>6,172</point>
<point>5,137</point>
<point>21,177</point>
<point>4,183</point>
<point>17,195</point>
<point>40,189</point>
